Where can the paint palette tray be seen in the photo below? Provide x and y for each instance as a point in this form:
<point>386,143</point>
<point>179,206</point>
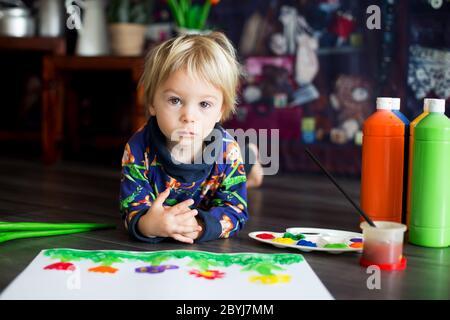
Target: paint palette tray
<point>312,239</point>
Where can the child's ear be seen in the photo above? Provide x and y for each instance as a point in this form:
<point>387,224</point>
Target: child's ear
<point>152,110</point>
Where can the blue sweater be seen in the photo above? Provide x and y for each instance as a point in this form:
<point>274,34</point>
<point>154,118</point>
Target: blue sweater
<point>218,189</point>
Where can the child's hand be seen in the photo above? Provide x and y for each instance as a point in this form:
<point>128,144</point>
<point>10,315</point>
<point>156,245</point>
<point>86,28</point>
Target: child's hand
<point>190,221</point>
<point>172,222</point>
<point>196,234</point>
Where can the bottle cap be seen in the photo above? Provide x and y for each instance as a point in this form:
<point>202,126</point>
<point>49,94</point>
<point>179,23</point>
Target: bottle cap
<point>426,105</point>
<point>436,105</point>
<point>384,103</point>
<point>396,103</point>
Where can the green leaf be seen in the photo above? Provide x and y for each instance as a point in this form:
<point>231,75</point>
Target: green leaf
<point>177,13</point>
<point>183,7</point>
<point>204,15</point>
<point>193,17</point>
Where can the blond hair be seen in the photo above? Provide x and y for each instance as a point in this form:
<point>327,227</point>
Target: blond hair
<point>211,57</point>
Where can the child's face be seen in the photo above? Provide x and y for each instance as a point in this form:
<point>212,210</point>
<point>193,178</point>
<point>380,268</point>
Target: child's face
<point>186,108</point>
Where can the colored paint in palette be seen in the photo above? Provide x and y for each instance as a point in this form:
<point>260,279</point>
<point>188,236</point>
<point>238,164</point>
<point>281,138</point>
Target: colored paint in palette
<point>312,239</point>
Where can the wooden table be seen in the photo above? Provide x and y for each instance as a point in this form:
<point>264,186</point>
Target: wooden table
<point>58,98</point>
<point>75,193</point>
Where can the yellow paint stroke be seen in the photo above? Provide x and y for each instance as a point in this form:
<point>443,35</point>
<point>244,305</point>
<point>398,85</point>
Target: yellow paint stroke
<point>271,279</point>
<point>284,240</point>
<point>207,274</point>
<point>103,269</point>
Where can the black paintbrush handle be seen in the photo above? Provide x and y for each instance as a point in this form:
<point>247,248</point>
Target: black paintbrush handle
<point>362,213</point>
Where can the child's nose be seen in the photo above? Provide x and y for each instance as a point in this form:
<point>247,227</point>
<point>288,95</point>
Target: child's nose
<point>189,113</point>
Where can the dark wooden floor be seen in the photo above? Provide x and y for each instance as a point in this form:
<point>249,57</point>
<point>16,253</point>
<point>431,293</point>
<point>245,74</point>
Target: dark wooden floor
<point>81,193</point>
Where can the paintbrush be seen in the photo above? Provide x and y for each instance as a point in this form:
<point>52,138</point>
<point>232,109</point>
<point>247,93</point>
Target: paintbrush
<point>362,213</point>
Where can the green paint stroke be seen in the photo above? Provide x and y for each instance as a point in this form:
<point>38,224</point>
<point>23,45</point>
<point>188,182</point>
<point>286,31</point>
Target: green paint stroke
<point>264,264</point>
<point>293,236</point>
<point>336,246</point>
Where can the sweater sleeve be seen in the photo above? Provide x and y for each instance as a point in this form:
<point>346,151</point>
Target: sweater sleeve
<point>136,193</point>
<point>228,212</point>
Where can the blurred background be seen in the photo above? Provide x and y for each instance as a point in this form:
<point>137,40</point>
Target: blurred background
<point>69,71</point>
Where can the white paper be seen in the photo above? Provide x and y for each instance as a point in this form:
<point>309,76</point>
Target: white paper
<point>35,282</point>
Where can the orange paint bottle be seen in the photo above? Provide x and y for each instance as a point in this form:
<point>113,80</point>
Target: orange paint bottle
<point>383,153</point>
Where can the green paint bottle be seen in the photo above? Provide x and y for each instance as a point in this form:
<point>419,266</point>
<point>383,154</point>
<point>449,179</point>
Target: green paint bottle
<point>430,197</point>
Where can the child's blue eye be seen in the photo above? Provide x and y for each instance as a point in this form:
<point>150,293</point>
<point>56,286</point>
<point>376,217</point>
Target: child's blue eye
<point>205,105</point>
<point>174,101</point>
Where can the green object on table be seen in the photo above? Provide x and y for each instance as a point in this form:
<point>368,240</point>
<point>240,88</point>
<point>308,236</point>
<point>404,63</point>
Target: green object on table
<point>12,235</point>
<point>20,230</point>
<point>429,224</point>
<point>35,226</point>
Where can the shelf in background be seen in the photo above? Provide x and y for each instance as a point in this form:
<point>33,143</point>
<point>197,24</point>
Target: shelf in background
<point>46,44</point>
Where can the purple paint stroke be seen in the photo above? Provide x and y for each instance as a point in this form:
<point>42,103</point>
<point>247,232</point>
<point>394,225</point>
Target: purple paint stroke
<point>155,269</point>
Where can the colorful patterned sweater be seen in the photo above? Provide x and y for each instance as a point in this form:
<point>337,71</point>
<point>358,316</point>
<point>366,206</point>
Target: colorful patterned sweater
<point>218,189</point>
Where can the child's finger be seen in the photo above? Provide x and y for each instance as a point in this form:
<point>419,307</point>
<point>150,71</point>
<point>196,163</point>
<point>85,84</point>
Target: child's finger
<point>182,206</point>
<point>182,238</point>
<point>191,235</point>
<point>187,218</point>
<point>183,229</point>
<point>187,215</point>
<point>161,197</point>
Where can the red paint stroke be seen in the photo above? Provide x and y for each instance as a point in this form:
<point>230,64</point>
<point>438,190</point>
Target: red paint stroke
<point>61,266</point>
<point>265,236</point>
<point>208,274</point>
<point>103,269</point>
